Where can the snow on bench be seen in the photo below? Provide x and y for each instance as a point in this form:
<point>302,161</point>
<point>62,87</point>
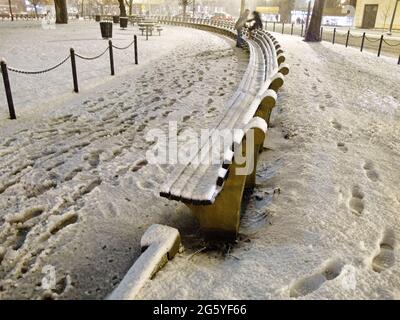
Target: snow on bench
<point>214,190</point>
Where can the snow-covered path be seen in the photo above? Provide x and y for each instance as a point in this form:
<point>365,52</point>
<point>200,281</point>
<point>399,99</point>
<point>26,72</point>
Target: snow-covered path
<point>76,192</point>
<point>324,219</point>
<point>36,48</point>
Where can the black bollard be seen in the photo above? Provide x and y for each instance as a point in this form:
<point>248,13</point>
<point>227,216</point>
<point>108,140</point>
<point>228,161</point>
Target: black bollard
<point>322,32</point>
<point>291,31</point>
<point>302,29</point>
<point>347,38</point>
<point>7,87</point>
<point>274,27</point>
<point>283,27</point>
<point>362,42</point>
<point>334,35</point>
<point>135,48</point>
<point>380,46</point>
<point>110,50</point>
<point>73,65</point>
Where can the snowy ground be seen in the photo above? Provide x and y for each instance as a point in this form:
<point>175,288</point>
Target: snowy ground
<point>76,193</point>
<point>37,48</point>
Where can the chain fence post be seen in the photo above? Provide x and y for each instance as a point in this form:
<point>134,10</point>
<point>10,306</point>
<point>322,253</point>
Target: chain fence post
<point>135,48</point>
<point>380,46</point>
<point>110,50</point>
<point>274,27</point>
<point>302,29</point>
<point>7,87</point>
<point>291,30</point>
<point>362,42</point>
<point>74,75</point>
<point>347,38</point>
<point>322,32</point>
<point>334,36</point>
<point>283,27</point>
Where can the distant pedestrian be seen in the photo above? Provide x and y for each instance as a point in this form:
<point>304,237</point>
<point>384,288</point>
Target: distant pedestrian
<point>240,23</point>
<point>257,22</point>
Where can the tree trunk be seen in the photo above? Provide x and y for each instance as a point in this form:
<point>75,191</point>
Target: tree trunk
<point>11,13</point>
<point>61,11</point>
<point>242,6</point>
<point>122,9</point>
<point>285,10</point>
<point>314,29</point>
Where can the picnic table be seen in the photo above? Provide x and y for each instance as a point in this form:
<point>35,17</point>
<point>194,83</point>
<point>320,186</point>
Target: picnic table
<point>148,26</point>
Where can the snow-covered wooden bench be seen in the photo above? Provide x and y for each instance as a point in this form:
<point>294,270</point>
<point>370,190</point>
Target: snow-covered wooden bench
<point>213,191</point>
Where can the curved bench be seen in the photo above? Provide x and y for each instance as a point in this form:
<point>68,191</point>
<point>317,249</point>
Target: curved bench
<point>213,190</point>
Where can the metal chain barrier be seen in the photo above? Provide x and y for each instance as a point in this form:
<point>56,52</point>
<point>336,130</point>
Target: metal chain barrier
<point>376,40</point>
<point>356,37</point>
<point>40,71</point>
<point>123,48</point>
<point>91,58</point>
<point>391,45</point>
<point>4,68</point>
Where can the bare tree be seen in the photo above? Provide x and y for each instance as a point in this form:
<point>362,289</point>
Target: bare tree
<point>11,13</point>
<point>184,4</point>
<point>314,29</point>
<point>242,6</point>
<point>82,8</point>
<point>61,11</point>
<point>285,10</point>
<point>129,3</point>
<point>122,9</point>
<point>385,14</point>
<point>35,3</point>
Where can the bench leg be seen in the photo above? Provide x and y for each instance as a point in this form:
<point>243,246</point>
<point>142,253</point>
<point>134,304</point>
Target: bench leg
<point>276,82</point>
<point>221,219</point>
<point>266,106</point>
<point>258,137</point>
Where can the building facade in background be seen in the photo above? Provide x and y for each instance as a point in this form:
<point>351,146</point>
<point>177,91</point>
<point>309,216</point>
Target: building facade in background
<point>377,14</point>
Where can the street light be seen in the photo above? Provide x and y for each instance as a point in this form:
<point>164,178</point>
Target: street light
<point>394,13</point>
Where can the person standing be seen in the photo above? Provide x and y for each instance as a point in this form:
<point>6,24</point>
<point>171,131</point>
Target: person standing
<point>240,23</point>
<point>257,23</point>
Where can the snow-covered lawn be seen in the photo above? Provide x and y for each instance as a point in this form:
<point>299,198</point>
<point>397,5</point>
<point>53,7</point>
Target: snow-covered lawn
<point>76,192</point>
